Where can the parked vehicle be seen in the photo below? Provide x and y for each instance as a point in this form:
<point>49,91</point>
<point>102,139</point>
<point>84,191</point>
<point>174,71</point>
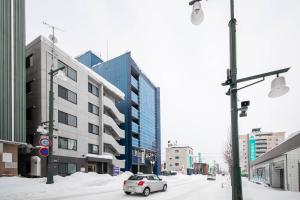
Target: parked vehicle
<point>211,176</point>
<point>168,173</point>
<point>144,184</point>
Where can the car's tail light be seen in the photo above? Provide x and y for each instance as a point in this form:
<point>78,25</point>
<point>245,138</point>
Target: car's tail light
<point>141,183</point>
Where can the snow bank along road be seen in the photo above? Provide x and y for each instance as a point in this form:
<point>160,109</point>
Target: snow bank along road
<point>90,186</point>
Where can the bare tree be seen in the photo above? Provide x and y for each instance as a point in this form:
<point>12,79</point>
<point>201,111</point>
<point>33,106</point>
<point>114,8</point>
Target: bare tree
<point>228,153</point>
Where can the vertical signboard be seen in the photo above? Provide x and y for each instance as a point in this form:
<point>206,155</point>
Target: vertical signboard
<point>252,148</point>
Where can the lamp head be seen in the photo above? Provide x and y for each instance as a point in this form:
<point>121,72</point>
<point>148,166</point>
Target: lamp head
<point>197,15</point>
<point>61,75</point>
<point>278,87</point>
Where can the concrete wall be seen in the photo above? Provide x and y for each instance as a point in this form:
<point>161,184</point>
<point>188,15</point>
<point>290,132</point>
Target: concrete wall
<point>293,164</point>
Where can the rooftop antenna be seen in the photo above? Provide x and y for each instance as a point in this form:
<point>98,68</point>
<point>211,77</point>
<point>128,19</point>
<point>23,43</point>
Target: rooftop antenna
<point>53,39</point>
<point>106,49</point>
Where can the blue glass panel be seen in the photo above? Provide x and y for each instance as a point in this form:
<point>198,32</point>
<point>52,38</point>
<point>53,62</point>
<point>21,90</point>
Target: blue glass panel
<point>134,112</point>
<point>147,115</point>
<point>134,127</point>
<point>135,142</point>
<point>134,82</point>
<point>134,97</point>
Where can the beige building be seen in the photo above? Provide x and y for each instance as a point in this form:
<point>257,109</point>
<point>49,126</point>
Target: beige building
<point>265,141</point>
<point>179,158</point>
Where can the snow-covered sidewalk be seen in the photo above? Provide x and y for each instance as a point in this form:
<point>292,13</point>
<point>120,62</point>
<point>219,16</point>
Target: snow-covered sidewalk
<point>89,186</point>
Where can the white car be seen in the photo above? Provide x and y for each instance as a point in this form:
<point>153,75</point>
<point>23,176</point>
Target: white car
<point>211,177</point>
<point>144,184</point>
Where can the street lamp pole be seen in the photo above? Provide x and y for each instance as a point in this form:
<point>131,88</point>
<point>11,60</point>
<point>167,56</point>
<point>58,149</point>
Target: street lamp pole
<point>278,89</point>
<point>236,171</point>
<point>50,180</point>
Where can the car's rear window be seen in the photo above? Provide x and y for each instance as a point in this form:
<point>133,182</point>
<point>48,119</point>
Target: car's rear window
<point>135,178</point>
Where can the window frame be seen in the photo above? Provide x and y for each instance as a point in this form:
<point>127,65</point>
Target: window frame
<point>90,149</point>
<point>66,92</point>
<point>67,70</point>
<point>66,118</point>
<point>67,144</point>
<point>91,128</point>
<point>91,90</point>
<point>29,61</point>
<point>91,108</point>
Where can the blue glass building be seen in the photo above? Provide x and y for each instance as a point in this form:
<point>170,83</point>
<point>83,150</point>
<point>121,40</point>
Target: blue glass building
<point>141,108</point>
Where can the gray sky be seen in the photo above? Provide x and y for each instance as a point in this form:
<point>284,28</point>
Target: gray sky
<point>189,62</point>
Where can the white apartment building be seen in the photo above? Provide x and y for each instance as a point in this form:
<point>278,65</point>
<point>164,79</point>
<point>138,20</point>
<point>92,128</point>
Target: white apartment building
<point>264,142</point>
<point>87,121</point>
<point>179,158</point>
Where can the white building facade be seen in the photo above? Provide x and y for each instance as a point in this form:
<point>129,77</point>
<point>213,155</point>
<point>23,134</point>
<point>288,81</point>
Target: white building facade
<point>87,134</point>
<point>280,167</point>
<point>179,158</point>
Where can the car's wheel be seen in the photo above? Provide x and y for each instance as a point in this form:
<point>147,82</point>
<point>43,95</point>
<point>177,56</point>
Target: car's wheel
<point>128,193</point>
<point>165,188</point>
<point>146,191</point>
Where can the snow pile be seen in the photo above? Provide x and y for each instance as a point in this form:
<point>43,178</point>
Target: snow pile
<point>31,188</point>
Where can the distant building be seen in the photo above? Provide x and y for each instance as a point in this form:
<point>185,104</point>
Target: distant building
<point>86,120</point>
<point>201,168</point>
<point>280,166</point>
<point>264,142</point>
<point>179,158</point>
<point>12,85</point>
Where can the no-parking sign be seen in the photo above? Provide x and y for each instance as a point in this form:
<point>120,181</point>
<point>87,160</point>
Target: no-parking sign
<point>44,151</point>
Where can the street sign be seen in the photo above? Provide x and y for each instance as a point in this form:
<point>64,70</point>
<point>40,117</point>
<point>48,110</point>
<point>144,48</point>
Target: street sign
<point>44,151</point>
<point>252,147</point>
<point>116,171</point>
<point>44,142</point>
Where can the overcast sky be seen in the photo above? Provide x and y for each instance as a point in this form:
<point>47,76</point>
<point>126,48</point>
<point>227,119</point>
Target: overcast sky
<point>189,62</point>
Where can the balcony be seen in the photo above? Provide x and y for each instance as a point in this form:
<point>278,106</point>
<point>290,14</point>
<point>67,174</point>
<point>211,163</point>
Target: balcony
<point>134,98</point>
<point>113,109</point>
<point>116,162</point>
<point>108,139</point>
<point>134,82</point>
<point>134,112</point>
<point>108,121</point>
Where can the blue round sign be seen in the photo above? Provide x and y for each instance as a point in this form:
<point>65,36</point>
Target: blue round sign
<point>44,151</point>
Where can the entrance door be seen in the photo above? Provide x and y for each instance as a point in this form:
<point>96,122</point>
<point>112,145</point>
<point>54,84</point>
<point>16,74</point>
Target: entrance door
<point>281,178</point>
<point>91,167</point>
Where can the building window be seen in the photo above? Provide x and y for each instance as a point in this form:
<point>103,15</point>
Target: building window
<point>176,164</point>
<point>176,157</point>
<point>29,87</point>
<point>29,61</point>
<point>66,168</point>
<point>170,158</point>
<point>93,89</point>
<point>66,118</point>
<point>69,71</point>
<point>176,151</point>
<point>67,94</point>
<point>66,143</point>
<point>94,129</point>
<point>94,149</point>
<point>93,109</point>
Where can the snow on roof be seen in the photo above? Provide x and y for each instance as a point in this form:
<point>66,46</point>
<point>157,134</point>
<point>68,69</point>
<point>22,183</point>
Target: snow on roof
<point>91,73</point>
<point>109,157</point>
